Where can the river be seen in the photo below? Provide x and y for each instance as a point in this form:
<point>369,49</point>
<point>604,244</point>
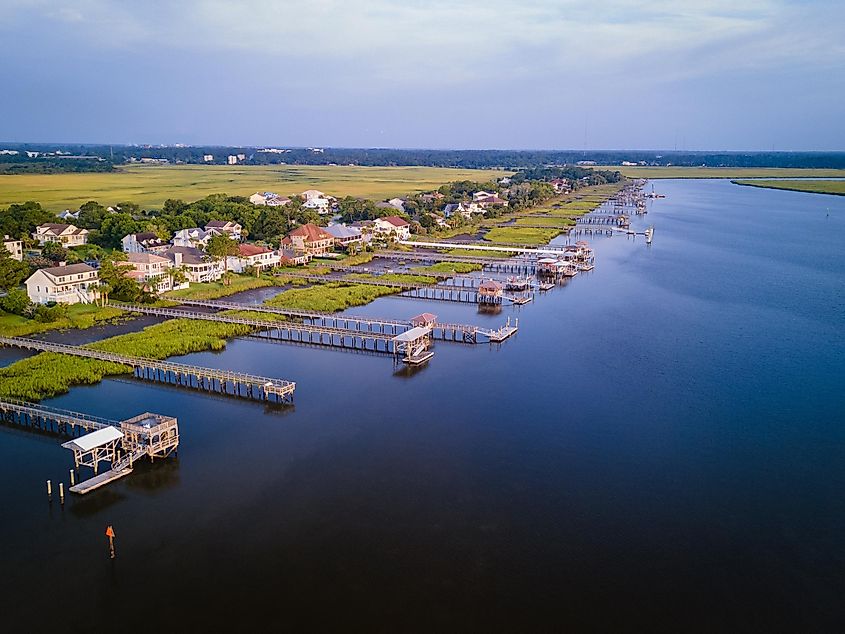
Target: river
<point>661,447</point>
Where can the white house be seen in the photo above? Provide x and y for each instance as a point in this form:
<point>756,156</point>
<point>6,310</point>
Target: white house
<point>153,271</point>
<point>252,255</point>
<point>194,237</point>
<point>220,227</point>
<point>232,159</point>
<point>67,214</point>
<point>490,200</point>
<point>320,205</point>
<point>67,235</point>
<point>208,158</point>
<point>70,284</point>
<point>397,203</point>
<point>482,194</point>
<point>197,265</point>
<point>393,226</point>
<point>146,242</point>
<point>14,247</point>
<point>310,194</point>
<point>464,209</point>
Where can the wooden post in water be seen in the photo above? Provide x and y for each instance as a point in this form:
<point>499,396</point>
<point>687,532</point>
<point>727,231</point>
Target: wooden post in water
<point>49,490</point>
<point>72,478</point>
<point>62,492</point>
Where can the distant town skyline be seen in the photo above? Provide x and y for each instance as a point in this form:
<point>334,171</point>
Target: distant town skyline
<point>760,75</point>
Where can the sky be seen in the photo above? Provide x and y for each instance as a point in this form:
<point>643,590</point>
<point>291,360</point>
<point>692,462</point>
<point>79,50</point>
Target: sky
<point>526,74</point>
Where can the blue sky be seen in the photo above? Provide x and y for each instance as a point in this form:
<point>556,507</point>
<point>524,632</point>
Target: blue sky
<point>715,75</point>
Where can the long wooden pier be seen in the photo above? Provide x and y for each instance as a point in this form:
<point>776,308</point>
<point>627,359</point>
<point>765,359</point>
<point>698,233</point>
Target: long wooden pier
<point>208,379</point>
<point>464,333</point>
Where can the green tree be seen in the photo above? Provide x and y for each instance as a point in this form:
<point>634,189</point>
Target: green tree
<point>114,228</point>
<point>12,272</point>
<point>16,301</point>
<point>54,251</point>
<point>220,247</point>
<point>91,215</point>
<point>20,220</point>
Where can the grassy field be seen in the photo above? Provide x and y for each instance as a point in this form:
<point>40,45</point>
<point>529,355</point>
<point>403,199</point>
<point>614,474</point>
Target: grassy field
<point>521,235</point>
<point>723,172</point>
<point>214,290</point>
<point>150,186</point>
<point>816,187</point>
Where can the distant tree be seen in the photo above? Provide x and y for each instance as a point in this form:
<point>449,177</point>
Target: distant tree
<point>114,228</point>
<point>91,215</point>
<point>20,220</point>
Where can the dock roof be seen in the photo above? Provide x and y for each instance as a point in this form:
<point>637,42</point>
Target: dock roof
<point>413,334</point>
<point>95,439</point>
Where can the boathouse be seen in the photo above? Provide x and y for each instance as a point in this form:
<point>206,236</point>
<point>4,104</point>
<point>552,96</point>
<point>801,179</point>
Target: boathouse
<point>490,292</point>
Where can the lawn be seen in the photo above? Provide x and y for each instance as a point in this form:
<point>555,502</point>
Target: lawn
<point>150,186</point>
<point>724,172</point>
<point>215,290</point>
<point>816,187</point>
<point>522,235</point>
<point>79,316</point>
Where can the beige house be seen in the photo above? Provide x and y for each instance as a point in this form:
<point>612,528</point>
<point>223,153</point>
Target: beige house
<point>220,227</point>
<point>153,271</point>
<point>14,247</point>
<point>393,227</point>
<point>197,265</point>
<point>67,235</point>
<point>70,284</point>
<point>310,239</point>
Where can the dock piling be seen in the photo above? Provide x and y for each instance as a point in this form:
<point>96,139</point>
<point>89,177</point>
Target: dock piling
<point>72,478</point>
<point>49,490</point>
<point>62,492</point>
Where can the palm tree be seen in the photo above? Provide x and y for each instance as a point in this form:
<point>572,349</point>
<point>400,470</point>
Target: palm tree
<point>102,290</point>
<point>178,276</point>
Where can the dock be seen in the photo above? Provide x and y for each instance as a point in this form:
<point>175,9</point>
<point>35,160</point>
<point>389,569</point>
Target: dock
<point>189,376</point>
<point>95,440</point>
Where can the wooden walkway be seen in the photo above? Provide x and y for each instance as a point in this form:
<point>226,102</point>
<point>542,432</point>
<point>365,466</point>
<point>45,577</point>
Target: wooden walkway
<point>208,379</point>
<point>464,333</point>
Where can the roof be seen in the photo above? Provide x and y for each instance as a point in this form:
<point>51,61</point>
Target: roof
<point>219,224</point>
<point>311,233</point>
<point>342,231</point>
<point>413,334</point>
<point>490,285</point>
<point>424,318</point>
<point>70,269</point>
<point>396,221</point>
<point>145,258</point>
<point>95,439</point>
<point>148,236</point>
<point>190,255</point>
<point>247,250</point>
<point>58,228</point>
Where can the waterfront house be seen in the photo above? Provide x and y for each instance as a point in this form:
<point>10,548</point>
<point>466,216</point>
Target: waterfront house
<point>397,203</point>
<point>220,227</point>
<point>145,242</point>
<point>152,271</point>
<point>320,205</point>
<point>482,194</point>
<point>310,239</point>
<point>193,237</point>
<point>464,209</point>
<point>393,227</point>
<point>252,256</point>
<point>561,185</point>
<point>66,235</point>
<point>288,256</point>
<point>66,284</point>
<point>197,265</point>
<point>487,201</point>
<point>14,247</point>
<point>345,237</point>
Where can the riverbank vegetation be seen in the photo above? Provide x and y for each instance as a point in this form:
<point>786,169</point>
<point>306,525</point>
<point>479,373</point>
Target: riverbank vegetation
<point>522,235</point>
<point>330,297</point>
<point>448,267</point>
<point>76,316</point>
<point>215,290</point>
<point>837,188</point>
<point>403,278</point>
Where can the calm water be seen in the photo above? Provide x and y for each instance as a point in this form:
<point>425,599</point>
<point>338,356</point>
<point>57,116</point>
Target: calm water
<point>662,447</point>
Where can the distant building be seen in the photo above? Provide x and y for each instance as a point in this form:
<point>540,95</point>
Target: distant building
<point>320,205</point>
<point>561,185</point>
<point>146,242</point>
<point>393,227</point>
<point>309,194</point>
<point>232,229</point>
<point>66,235</point>
<point>67,214</point>
<point>71,284</point>
<point>397,203</point>
<point>14,247</point>
<point>270,199</point>
<point>194,237</point>
<point>492,199</point>
<point>232,159</point>
<point>208,158</point>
